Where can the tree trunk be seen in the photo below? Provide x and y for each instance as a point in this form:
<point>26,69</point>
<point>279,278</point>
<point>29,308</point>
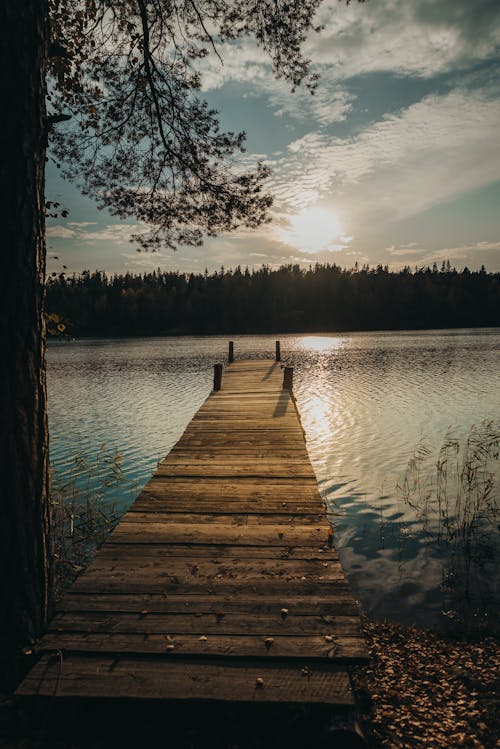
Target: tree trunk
<point>24,477</point>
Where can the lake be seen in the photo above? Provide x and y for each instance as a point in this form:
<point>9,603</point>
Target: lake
<point>376,408</point>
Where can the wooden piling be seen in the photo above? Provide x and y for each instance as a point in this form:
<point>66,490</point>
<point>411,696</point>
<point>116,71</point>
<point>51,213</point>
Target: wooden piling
<point>217,376</point>
<point>230,356</point>
<point>288,378</point>
<point>278,351</point>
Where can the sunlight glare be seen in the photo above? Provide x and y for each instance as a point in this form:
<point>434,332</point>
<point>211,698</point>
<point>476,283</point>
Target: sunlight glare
<point>321,343</point>
<point>313,229</point>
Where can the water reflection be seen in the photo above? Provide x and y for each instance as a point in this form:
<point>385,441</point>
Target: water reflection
<point>321,343</point>
<point>366,402</point>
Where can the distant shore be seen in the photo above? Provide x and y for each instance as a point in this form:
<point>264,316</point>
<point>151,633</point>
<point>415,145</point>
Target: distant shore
<point>323,298</point>
<point>180,333</point>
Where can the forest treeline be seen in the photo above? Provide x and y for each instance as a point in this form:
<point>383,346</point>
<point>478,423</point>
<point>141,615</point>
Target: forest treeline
<point>287,299</point>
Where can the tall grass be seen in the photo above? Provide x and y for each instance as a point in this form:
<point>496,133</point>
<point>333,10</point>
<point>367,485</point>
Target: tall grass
<point>84,511</point>
<point>460,493</point>
<point>456,500</point>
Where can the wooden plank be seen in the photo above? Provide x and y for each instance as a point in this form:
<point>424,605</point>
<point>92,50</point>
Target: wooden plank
<point>277,520</point>
<point>279,427</point>
<point>182,570</point>
<point>342,648</point>
<point>342,604</point>
<point>221,552</point>
<point>223,506</point>
<point>264,535</point>
<point>220,459</point>
<point>283,489</point>
<point>219,623</point>
<point>249,587</point>
<point>235,452</point>
<point>223,680</point>
<point>256,470</point>
<point>223,501</point>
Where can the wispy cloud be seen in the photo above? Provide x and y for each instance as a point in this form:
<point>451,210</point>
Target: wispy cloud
<point>329,104</point>
<point>117,233</point>
<point>60,232</point>
<point>473,254</point>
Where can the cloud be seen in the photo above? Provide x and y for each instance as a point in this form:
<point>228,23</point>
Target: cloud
<point>245,64</point>
<point>60,232</point>
<point>473,254</point>
<point>421,38</point>
<point>144,261</point>
<point>329,104</point>
<point>243,60</point>
<point>403,250</point>
<point>425,155</point>
<point>118,233</point>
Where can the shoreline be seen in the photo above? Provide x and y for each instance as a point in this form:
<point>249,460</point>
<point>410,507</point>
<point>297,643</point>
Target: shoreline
<point>252,334</point>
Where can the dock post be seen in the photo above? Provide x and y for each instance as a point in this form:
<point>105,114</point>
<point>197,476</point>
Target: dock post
<point>288,378</point>
<point>230,356</point>
<point>217,376</point>
<point>278,351</point>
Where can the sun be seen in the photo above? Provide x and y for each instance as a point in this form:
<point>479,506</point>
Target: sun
<point>313,229</point>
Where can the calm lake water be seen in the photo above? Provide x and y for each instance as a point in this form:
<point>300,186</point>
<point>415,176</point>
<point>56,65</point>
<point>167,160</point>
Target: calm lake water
<point>369,402</point>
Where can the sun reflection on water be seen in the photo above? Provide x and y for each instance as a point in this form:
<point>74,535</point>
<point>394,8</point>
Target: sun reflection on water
<point>321,343</point>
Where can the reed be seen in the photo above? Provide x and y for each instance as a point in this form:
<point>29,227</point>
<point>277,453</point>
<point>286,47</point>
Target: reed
<point>460,493</point>
<point>84,511</point>
<point>455,499</point>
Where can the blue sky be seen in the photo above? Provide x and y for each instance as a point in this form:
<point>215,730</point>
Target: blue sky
<point>395,159</point>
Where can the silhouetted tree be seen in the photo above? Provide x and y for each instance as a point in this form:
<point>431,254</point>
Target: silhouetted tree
<point>289,299</point>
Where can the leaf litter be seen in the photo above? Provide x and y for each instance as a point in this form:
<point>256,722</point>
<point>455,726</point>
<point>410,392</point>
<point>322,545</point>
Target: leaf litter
<point>424,690</point>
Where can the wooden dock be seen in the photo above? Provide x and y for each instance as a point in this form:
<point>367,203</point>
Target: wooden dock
<point>221,582</point>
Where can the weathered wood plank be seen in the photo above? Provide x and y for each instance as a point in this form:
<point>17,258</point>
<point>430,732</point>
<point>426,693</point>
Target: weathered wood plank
<point>253,468</point>
<point>342,604</point>
<point>217,552</point>
<point>255,535</point>
<point>223,506</point>
<point>341,648</point>
<point>182,570</point>
<point>282,489</point>
<point>234,453</point>
<point>276,520</point>
<point>211,551</point>
<point>216,586</point>
<point>219,623</point>
<point>147,678</point>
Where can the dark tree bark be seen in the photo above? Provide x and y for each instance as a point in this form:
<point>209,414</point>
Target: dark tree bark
<point>24,478</point>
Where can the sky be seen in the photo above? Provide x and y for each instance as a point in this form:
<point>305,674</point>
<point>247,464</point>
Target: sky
<point>394,160</point>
